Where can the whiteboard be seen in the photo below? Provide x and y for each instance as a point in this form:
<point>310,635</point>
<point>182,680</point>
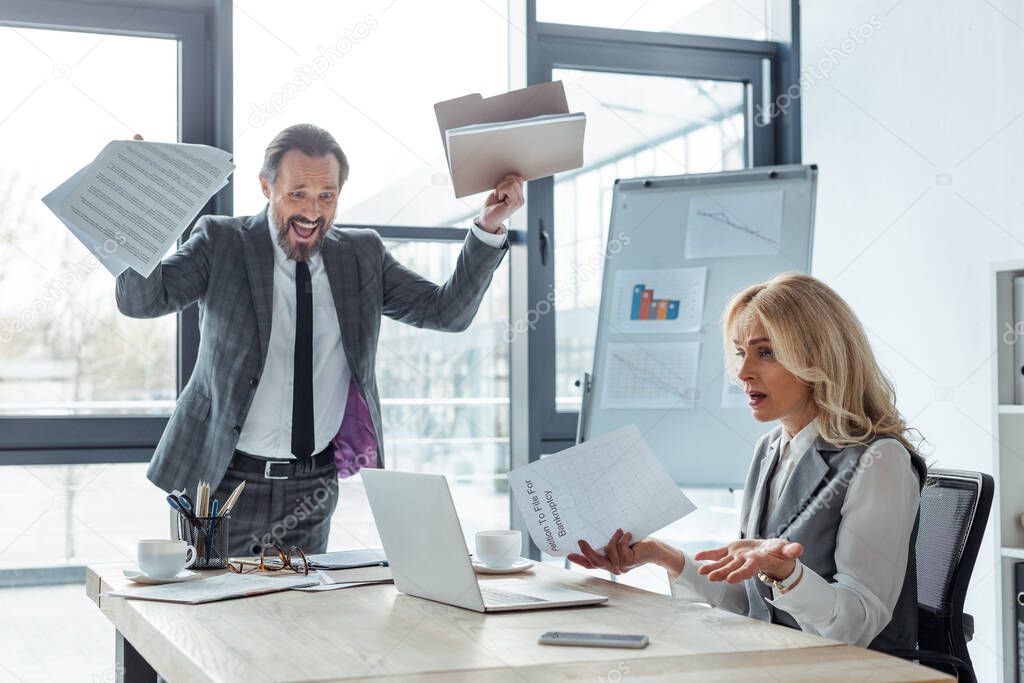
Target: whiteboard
<point>678,248</point>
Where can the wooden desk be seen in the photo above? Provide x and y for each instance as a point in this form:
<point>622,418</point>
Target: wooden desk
<point>374,632</point>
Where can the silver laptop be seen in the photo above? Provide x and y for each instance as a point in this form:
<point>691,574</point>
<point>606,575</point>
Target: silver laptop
<point>427,553</point>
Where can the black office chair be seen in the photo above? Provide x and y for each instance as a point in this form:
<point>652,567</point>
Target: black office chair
<point>954,511</point>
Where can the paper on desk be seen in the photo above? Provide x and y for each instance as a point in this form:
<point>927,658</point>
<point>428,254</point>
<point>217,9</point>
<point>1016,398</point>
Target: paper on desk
<point>590,490</point>
<point>350,578</point>
<point>130,205</point>
<point>349,559</point>
<point>217,587</point>
<point>338,586</point>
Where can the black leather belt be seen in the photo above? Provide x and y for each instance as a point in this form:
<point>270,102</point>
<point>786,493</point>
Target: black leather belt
<point>282,469</point>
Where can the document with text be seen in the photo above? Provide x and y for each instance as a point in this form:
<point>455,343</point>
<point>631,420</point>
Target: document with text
<point>130,205</point>
<point>588,491</point>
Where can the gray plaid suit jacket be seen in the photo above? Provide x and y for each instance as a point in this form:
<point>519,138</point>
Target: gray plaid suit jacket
<point>227,265</point>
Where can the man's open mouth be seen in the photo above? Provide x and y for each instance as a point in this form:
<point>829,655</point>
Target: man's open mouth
<point>303,228</point>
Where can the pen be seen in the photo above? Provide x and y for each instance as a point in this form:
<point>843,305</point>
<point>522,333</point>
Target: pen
<point>213,528</point>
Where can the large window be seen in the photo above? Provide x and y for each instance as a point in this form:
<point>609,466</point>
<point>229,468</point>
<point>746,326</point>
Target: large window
<point>638,125</point>
<point>84,390</point>
<point>659,101</point>
<point>64,347</point>
<point>79,382</point>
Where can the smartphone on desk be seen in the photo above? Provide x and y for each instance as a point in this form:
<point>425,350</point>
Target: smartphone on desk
<point>593,639</point>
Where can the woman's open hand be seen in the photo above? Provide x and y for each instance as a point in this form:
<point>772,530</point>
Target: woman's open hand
<point>741,560</point>
<point>619,555</point>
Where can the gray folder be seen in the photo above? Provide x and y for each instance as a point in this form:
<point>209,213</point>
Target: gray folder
<point>529,131</point>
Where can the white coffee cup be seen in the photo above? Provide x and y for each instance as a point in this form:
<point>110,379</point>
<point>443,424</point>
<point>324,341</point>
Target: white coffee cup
<point>498,548</point>
<point>164,558</point>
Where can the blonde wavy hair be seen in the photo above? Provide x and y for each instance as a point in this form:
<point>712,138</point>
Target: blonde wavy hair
<point>816,336</point>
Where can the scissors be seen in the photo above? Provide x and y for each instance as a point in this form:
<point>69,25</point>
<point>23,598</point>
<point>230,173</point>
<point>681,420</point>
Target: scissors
<point>183,505</point>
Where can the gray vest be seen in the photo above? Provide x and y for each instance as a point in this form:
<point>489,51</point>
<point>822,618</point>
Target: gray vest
<point>808,512</point>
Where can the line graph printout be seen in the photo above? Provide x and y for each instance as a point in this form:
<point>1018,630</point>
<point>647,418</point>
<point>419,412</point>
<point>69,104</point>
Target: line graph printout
<point>590,490</point>
<point>650,375</point>
<point>669,300</point>
<point>736,224</point>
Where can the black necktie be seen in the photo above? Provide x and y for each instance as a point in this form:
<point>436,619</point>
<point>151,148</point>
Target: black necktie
<point>302,385</point>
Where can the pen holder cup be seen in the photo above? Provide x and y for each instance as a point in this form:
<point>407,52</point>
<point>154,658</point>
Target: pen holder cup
<point>209,535</point>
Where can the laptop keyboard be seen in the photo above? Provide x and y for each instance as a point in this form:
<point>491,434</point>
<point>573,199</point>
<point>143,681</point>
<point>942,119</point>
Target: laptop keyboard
<point>496,597</point>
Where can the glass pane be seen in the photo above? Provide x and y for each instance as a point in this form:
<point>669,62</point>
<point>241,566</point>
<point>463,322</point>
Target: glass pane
<point>636,126</point>
<point>732,18</point>
<point>369,73</point>
<point>445,404</point>
<point>62,514</point>
<point>64,347</point>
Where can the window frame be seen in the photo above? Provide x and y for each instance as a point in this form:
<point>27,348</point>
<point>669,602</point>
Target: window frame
<point>203,33</point>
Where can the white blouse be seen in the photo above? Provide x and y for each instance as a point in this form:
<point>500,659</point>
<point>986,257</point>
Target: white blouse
<point>872,549</point>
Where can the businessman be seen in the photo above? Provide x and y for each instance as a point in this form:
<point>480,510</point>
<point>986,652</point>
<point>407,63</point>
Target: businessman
<point>284,395</point>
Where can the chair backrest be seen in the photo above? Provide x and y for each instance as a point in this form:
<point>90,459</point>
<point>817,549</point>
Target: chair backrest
<point>955,506</point>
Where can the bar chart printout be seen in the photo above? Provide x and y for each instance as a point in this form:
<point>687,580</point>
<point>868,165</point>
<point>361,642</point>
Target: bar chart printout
<point>646,307</point>
<point>668,300</point>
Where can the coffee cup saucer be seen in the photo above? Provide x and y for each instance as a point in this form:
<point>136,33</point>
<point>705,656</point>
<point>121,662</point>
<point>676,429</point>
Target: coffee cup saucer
<point>520,565</point>
<point>138,576</point>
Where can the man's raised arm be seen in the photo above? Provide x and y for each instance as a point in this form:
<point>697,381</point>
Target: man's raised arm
<point>176,282</point>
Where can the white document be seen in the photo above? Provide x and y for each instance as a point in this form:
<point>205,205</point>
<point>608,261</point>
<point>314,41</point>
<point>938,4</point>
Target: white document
<point>217,587</point>
<point>527,131</point>
<point>335,579</point>
<point>722,225</point>
<point>590,490</point>
<point>652,375</point>
<point>668,300</point>
<point>130,205</point>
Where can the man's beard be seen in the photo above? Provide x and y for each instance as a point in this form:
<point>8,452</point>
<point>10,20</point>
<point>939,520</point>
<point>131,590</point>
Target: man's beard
<point>301,251</point>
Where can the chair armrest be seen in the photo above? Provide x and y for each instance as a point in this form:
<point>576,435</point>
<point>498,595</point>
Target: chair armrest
<point>968,627</point>
<point>964,672</point>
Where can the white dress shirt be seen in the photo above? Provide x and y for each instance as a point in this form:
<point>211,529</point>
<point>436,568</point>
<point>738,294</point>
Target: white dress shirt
<point>267,431</point>
<point>872,549</point>
<point>791,450</point>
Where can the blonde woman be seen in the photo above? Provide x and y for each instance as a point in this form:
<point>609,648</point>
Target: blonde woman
<point>829,513</point>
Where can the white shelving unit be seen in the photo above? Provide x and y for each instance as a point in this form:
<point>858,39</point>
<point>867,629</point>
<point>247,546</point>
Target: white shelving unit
<point>1008,468</point>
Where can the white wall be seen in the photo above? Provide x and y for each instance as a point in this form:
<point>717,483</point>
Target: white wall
<point>935,89</point>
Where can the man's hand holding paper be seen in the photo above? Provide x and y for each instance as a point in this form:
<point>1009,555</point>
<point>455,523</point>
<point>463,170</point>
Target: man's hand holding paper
<point>131,204</point>
<point>528,132</point>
